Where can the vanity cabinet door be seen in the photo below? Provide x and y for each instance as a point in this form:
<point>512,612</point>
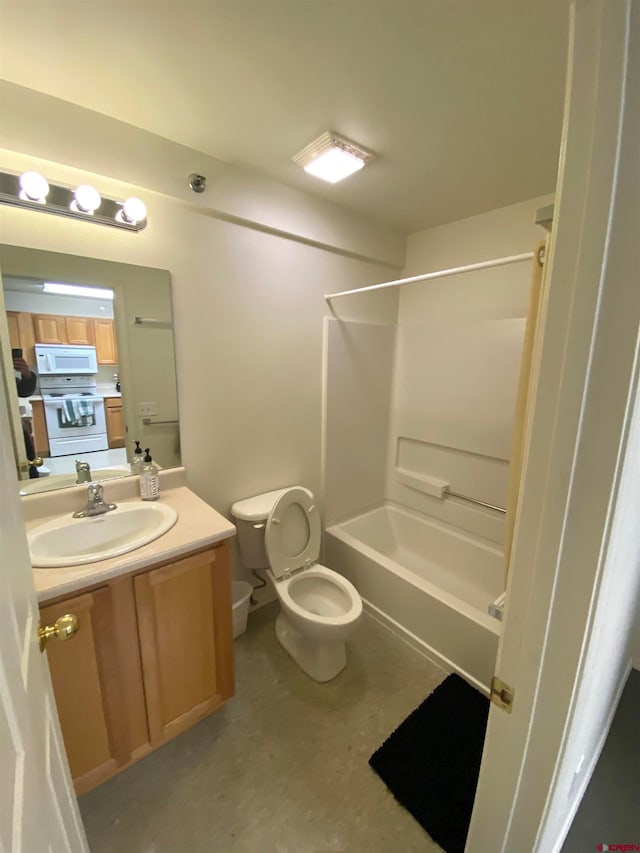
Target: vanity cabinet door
<point>85,671</point>
<point>184,625</point>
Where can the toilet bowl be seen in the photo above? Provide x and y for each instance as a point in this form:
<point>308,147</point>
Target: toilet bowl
<point>280,531</point>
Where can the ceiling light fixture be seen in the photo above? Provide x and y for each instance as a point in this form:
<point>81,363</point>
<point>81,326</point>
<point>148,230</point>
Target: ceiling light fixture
<point>32,191</point>
<point>331,157</point>
<point>77,290</point>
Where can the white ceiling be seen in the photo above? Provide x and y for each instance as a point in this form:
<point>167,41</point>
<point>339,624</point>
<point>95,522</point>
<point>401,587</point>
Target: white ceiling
<point>461,101</point>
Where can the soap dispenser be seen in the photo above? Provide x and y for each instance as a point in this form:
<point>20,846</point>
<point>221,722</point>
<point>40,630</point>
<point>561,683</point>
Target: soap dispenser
<point>137,462</point>
<point>149,482</point>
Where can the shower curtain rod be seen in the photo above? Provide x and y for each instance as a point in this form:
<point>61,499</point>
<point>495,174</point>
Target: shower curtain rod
<point>481,265</point>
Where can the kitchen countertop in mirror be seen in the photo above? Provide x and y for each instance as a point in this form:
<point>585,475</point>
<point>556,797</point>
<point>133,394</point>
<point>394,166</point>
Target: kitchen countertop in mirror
<point>198,526</point>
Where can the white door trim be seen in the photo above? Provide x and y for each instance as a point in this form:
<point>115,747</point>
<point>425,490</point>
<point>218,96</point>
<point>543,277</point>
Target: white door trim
<point>586,379</point>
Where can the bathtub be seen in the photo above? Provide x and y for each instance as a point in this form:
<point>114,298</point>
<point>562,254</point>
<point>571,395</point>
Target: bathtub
<point>428,581</point>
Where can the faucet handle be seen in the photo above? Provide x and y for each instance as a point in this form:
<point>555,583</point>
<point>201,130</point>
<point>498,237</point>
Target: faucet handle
<point>95,492</point>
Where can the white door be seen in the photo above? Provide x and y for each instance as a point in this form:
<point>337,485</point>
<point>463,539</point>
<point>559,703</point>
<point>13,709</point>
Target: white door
<point>38,807</point>
<point>587,375</point>
<point>8,388</point>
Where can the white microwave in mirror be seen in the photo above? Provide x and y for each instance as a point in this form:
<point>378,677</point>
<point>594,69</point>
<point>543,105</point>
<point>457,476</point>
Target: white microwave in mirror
<point>62,360</point>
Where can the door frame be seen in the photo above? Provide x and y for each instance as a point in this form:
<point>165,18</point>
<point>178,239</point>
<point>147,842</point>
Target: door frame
<point>586,381</point>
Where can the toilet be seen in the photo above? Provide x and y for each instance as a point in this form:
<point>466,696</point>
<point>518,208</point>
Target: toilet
<point>280,531</point>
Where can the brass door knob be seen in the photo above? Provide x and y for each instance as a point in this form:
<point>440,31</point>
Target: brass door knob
<point>24,466</point>
<point>63,629</point>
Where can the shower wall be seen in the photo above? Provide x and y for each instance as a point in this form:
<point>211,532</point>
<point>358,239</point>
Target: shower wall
<point>359,370</point>
<point>456,367</point>
<point>428,389</point>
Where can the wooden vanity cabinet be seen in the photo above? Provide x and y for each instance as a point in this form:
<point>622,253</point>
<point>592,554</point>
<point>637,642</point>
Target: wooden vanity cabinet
<point>153,655</point>
<point>87,685</point>
<point>184,624</point>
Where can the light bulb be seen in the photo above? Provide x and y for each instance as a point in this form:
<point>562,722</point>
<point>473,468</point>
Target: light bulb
<point>33,187</point>
<point>134,211</point>
<point>86,199</point>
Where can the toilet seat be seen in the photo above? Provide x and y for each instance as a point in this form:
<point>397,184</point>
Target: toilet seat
<point>292,533</point>
<point>348,607</point>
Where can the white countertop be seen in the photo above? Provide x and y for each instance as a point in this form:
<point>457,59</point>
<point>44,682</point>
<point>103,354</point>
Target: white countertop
<point>198,526</point>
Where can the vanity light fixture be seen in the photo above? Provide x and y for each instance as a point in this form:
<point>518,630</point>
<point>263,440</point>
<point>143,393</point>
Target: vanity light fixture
<point>32,191</point>
<point>133,211</point>
<point>33,187</point>
<point>332,158</point>
<point>86,199</point>
<point>76,290</point>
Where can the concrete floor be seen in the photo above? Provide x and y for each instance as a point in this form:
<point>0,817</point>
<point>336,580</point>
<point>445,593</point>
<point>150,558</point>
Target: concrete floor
<point>283,767</point>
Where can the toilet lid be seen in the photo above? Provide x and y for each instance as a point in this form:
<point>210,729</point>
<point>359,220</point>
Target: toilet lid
<point>292,534</point>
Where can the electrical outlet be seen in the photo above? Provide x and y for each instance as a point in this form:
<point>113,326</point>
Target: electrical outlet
<point>147,410</point>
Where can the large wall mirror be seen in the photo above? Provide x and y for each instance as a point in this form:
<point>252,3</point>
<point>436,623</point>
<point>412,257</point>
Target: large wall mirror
<point>124,338</point>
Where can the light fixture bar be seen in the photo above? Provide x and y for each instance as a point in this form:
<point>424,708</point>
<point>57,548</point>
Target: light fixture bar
<point>62,289</point>
<point>61,202</point>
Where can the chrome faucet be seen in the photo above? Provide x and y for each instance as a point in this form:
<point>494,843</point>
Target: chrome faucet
<point>95,503</point>
<point>83,471</point>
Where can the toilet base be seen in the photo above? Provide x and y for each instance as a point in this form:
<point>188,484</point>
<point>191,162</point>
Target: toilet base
<point>319,660</point>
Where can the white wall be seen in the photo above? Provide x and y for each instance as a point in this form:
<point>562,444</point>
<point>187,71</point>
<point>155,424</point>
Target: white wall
<point>248,304</point>
<point>457,363</point>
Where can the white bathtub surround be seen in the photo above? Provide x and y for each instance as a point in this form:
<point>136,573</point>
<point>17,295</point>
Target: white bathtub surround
<point>357,398</point>
<point>427,580</point>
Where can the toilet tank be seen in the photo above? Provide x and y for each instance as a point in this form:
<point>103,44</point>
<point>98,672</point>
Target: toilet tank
<point>251,516</point>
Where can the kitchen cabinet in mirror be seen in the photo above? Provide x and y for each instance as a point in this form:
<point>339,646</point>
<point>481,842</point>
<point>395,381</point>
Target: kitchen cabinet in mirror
<point>93,416</point>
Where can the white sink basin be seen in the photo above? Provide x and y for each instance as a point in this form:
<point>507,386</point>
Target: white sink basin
<point>71,541</point>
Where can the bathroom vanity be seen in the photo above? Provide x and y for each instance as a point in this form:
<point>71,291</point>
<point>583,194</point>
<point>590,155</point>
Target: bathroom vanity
<point>153,653</point>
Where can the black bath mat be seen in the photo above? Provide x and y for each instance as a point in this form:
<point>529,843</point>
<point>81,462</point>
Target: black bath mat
<point>432,760</point>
